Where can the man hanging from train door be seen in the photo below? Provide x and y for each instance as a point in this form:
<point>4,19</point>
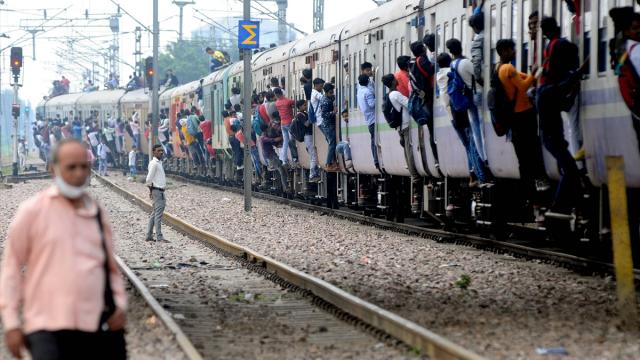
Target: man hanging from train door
<point>557,91</point>
<point>476,22</point>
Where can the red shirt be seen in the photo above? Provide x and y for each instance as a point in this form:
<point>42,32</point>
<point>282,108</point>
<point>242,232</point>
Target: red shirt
<point>404,86</point>
<point>205,126</point>
<point>285,109</point>
<point>264,114</point>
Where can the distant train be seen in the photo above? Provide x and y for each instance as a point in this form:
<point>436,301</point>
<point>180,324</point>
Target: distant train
<point>600,122</point>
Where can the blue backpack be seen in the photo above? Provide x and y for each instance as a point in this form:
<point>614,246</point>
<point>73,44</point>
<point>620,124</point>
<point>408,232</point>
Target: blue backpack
<point>256,122</point>
<point>192,125</point>
<point>312,113</point>
<point>459,92</point>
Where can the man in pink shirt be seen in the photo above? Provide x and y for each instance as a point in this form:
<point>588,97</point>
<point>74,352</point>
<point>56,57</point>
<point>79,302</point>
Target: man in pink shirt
<point>285,109</point>
<point>70,301</point>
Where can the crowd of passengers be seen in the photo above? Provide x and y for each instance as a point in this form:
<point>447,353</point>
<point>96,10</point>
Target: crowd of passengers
<point>537,99</point>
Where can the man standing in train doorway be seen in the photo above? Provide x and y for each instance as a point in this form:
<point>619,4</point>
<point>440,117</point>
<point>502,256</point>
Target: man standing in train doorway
<point>157,182</point>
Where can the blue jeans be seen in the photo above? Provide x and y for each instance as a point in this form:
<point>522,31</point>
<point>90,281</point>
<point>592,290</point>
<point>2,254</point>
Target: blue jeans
<point>374,148</point>
<point>238,157</point>
<point>344,149</point>
<point>102,166</point>
<point>477,127</point>
<point>284,152</point>
<point>133,171</point>
<point>475,163</point>
<point>329,131</point>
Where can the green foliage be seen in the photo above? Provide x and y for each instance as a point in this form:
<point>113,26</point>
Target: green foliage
<point>464,282</point>
<point>187,59</point>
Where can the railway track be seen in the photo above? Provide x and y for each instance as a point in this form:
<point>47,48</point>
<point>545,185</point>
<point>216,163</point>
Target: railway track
<point>330,315</point>
<point>519,249</point>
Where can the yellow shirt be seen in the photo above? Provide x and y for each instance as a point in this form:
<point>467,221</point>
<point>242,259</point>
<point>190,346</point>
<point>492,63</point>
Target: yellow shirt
<point>512,79</point>
<point>187,137</point>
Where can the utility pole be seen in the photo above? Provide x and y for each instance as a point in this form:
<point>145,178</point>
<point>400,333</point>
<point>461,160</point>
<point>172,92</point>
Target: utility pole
<point>246,114</point>
<point>138,53</point>
<point>181,5</point>
<point>33,33</point>
<point>155,103</point>
<point>16,66</point>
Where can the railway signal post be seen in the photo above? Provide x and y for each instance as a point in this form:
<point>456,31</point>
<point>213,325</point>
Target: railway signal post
<point>16,66</point>
<point>248,39</point>
<point>155,101</point>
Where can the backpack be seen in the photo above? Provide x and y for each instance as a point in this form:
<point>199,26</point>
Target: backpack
<point>569,90</point>
<point>459,92</point>
<point>628,81</point>
<point>393,116</point>
<point>192,125</point>
<point>502,109</point>
<point>297,128</point>
<point>417,69</point>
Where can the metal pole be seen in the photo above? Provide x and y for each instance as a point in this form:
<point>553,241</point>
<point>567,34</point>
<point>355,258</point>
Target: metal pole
<point>246,111</point>
<point>181,12</point>
<point>622,259</point>
<point>155,101</point>
<point>15,126</point>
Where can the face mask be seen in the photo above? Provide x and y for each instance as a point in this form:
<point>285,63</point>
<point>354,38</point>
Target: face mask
<point>69,191</point>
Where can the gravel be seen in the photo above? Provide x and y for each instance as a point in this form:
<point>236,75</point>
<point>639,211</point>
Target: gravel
<point>496,305</point>
<point>147,338</point>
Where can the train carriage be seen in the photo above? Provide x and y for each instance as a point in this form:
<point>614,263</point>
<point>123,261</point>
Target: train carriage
<point>136,101</point>
<point>103,104</point>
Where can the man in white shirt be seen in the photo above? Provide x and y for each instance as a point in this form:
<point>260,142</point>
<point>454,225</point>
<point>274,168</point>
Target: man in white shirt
<point>466,71</point>
<point>156,181</point>
<point>401,104</point>
<point>316,96</point>
<point>102,154</point>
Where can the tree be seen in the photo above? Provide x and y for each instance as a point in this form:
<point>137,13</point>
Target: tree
<point>186,58</point>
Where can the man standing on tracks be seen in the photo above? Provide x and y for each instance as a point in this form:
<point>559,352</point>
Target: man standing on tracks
<point>156,181</point>
<point>61,293</point>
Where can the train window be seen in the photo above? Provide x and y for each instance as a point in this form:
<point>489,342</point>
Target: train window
<point>349,85</point>
<point>504,21</point>
<point>439,42</point>
<point>454,29</point>
<point>384,58</point>
<point>365,54</point>
<point>494,33</point>
<point>602,36</point>
<point>445,32</point>
<point>587,32</point>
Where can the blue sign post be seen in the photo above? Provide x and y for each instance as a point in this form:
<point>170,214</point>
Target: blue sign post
<point>248,34</point>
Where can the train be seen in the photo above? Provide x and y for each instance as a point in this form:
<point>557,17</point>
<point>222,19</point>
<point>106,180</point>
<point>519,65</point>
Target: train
<point>599,122</point>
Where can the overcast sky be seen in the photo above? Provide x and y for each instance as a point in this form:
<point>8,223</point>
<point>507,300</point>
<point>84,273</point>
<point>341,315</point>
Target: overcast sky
<point>39,74</point>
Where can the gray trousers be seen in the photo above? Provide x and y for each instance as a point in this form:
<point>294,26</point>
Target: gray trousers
<point>159,202</point>
<point>405,141</point>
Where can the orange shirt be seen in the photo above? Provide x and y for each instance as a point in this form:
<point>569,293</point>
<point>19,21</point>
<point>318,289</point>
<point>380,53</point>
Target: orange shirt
<point>513,80</point>
<point>404,85</point>
<point>61,249</point>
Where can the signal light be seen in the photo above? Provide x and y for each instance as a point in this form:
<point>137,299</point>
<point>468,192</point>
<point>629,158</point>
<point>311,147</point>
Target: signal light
<point>15,110</point>
<point>16,60</point>
<point>149,71</point>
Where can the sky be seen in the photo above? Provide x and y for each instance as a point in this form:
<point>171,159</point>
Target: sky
<point>53,44</point>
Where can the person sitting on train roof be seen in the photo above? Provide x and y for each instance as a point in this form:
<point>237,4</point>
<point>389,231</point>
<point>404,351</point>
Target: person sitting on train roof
<point>401,104</point>
<point>557,91</point>
<point>171,80</point>
<point>524,127</point>
<point>422,84</point>
<point>271,138</point>
<point>328,112</point>
<point>285,109</point>
<point>367,104</point>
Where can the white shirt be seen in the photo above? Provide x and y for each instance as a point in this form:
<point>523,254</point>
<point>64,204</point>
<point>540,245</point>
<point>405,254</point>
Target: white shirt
<point>465,70</point>
<point>155,175</point>
<point>102,151</point>
<point>442,79</point>
<point>634,56</point>
<point>401,103</point>
<point>316,96</point>
<point>93,138</point>
<point>235,99</point>
<point>132,158</point>
<point>135,128</point>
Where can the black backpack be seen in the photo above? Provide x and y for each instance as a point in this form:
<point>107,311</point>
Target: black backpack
<point>297,128</point>
<point>501,108</point>
<point>393,116</point>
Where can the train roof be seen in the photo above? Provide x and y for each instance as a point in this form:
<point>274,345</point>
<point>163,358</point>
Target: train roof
<point>236,68</point>
<point>67,99</point>
<point>384,14</point>
<point>104,97</point>
<point>186,88</point>
<point>135,96</point>
<point>275,55</point>
<point>317,40</point>
<point>166,94</point>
